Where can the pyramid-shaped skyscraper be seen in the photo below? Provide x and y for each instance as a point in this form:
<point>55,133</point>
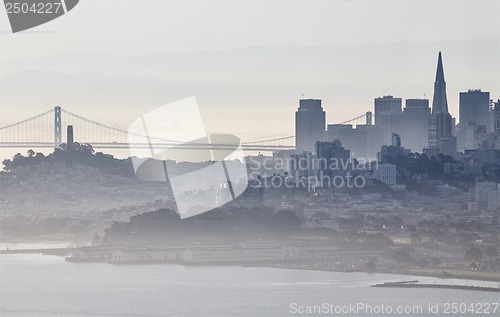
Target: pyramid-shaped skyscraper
<point>440,124</point>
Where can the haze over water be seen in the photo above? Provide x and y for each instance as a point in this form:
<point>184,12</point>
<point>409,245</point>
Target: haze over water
<point>57,288</point>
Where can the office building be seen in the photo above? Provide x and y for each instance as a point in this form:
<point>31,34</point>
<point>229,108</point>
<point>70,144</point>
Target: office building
<point>386,173</point>
<point>332,158</point>
<point>388,116</point>
<point>470,135</point>
<point>474,107</point>
<point>392,152</point>
<point>364,141</point>
<point>415,133</point>
<point>310,121</point>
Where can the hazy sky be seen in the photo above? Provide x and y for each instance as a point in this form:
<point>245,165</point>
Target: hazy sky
<point>248,62</point>
<point>159,26</point>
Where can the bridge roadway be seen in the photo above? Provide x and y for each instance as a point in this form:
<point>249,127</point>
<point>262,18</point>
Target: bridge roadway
<point>186,146</point>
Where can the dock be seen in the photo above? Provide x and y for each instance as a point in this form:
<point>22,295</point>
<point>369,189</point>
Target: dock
<point>414,284</point>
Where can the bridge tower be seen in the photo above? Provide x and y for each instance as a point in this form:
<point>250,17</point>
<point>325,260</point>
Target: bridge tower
<point>57,126</point>
<point>369,115</point>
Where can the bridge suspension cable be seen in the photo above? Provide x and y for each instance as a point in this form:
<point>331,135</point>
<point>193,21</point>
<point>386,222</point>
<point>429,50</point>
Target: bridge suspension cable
<point>114,128</point>
<point>28,120</point>
<point>354,119</point>
<point>271,140</point>
<point>38,131</point>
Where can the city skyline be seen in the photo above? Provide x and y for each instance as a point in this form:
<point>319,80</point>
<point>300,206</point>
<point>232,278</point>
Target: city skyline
<point>285,97</point>
<point>251,70</point>
<point>263,157</point>
<point>390,117</point>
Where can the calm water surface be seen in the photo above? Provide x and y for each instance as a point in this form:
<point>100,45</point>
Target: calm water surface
<point>41,285</point>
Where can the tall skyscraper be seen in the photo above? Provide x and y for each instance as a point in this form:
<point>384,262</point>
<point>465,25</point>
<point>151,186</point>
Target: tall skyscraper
<point>441,123</point>
<point>388,116</point>
<point>474,107</point>
<point>384,106</point>
<point>475,119</point>
<point>310,121</point>
<point>415,133</point>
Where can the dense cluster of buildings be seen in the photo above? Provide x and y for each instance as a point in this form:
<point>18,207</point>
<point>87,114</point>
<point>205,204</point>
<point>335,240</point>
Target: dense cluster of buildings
<point>419,127</point>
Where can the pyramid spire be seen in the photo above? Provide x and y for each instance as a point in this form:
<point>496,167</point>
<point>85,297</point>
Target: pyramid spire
<point>440,122</point>
<point>440,71</point>
<point>439,103</point>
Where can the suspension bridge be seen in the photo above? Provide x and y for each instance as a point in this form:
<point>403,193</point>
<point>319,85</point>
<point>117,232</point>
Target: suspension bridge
<point>45,130</point>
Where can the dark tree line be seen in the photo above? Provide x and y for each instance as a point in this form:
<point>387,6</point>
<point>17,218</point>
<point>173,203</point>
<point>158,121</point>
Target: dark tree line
<point>83,154</point>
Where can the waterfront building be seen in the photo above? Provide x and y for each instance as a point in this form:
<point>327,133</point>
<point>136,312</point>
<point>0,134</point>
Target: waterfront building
<point>234,254</point>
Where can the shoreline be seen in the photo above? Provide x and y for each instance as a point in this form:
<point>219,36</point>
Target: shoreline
<point>437,273</point>
<point>443,274</point>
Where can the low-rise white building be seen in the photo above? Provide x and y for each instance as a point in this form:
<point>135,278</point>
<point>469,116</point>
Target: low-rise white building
<point>233,254</point>
<point>148,254</point>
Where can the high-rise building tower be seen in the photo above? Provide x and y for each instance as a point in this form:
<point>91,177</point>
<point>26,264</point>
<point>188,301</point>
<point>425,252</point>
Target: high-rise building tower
<point>441,123</point>
<point>416,124</point>
<point>474,107</point>
<point>310,121</point>
<point>475,119</point>
<point>388,116</point>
